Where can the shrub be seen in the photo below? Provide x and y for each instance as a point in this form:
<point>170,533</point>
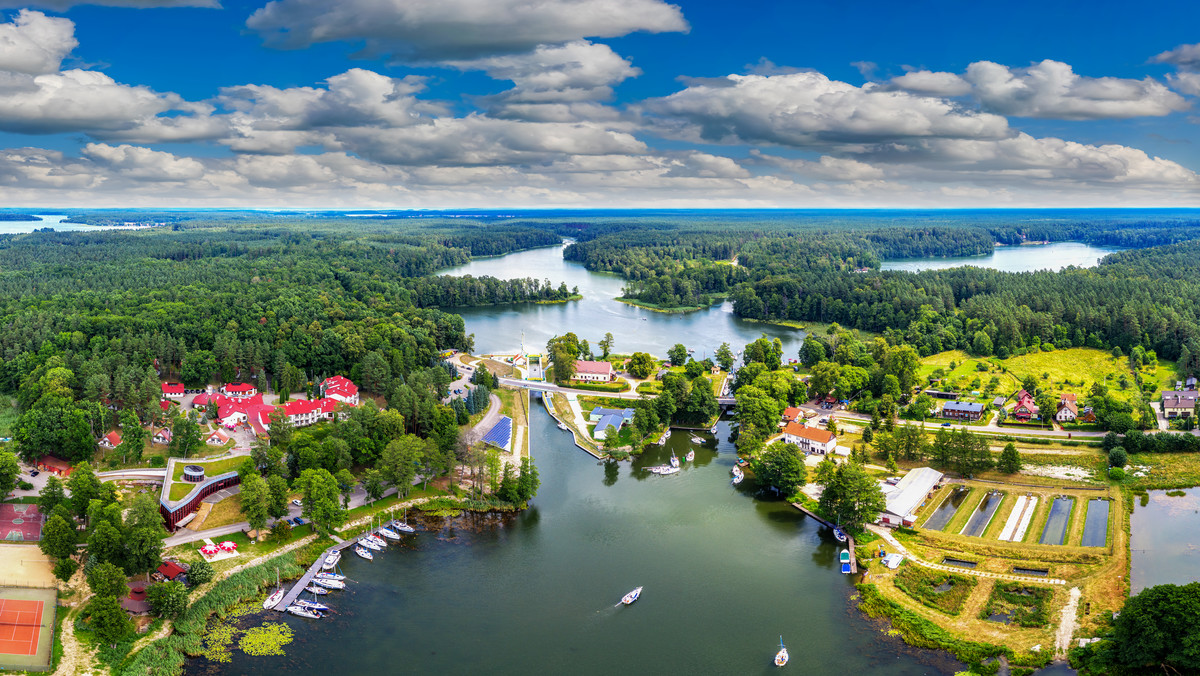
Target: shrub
<point>24,485</point>
<point>1117,457</point>
<point>158,461</point>
<point>922,584</point>
<point>1025,605</point>
<point>200,573</point>
<point>1116,474</point>
<point>280,532</point>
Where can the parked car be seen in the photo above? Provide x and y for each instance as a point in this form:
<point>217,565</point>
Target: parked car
<point>299,522</point>
<point>34,473</point>
<point>296,503</point>
<point>945,424</point>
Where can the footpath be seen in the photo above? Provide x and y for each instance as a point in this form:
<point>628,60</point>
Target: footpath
<point>895,545</point>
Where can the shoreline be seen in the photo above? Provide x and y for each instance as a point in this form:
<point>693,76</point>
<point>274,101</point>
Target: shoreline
<point>670,311</point>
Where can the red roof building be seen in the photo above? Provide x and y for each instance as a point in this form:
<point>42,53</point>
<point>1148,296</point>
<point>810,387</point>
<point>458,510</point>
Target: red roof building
<point>49,463</point>
<point>163,436</point>
<point>172,390</point>
<point>111,440</point>
<point>217,438</point>
<point>171,570</point>
<point>810,439</point>
<point>793,414</point>
<point>600,371</point>
<point>200,400</point>
<point>238,390</point>
<point>341,389</point>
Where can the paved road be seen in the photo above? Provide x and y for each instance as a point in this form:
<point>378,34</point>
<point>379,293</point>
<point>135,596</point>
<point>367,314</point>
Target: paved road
<point>493,414</point>
<point>551,387</point>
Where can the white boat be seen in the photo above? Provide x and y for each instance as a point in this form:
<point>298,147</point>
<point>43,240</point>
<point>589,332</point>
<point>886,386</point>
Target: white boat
<point>332,560</point>
<point>781,657</point>
<point>363,552</point>
<point>669,470</point>
<point>376,539</point>
<point>314,589</point>
<point>691,456</point>
<point>562,426</point>
<point>403,527</point>
<point>330,584</point>
<point>329,576</point>
<point>713,430</point>
<point>631,596</point>
<point>674,460</point>
<point>311,605</point>
<point>697,440</point>
<point>738,475</point>
<point>299,611</point>
<point>273,599</point>
<point>389,533</point>
<point>370,544</point>
<point>663,439</point>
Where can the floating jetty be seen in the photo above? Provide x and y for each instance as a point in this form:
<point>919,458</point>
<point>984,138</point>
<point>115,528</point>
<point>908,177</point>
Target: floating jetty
<point>302,584</point>
<point>853,567</point>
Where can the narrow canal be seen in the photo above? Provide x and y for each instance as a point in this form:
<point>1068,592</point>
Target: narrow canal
<point>725,573</point>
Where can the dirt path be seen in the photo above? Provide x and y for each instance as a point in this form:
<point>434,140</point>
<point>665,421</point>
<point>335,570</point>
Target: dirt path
<point>1066,626</point>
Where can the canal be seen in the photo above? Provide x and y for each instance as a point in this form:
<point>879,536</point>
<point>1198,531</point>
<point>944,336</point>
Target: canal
<point>726,571</point>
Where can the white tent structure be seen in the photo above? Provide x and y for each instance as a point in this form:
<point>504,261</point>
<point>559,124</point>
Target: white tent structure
<point>905,497</point>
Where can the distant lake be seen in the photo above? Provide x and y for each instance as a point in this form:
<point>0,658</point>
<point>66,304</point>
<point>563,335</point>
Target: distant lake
<point>56,222</point>
<point>1054,256</point>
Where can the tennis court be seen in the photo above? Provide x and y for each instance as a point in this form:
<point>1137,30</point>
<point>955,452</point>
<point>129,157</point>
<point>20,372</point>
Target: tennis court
<point>26,628</point>
<point>20,522</point>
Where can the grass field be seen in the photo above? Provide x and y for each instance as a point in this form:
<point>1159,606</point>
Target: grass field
<point>945,591</point>
<point>211,469</point>
<point>225,512</point>
<point>966,377</point>
<point>1077,368</point>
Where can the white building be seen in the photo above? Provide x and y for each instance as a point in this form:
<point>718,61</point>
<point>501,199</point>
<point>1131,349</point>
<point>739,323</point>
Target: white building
<point>599,371</point>
<point>904,498</point>
<point>810,439</point>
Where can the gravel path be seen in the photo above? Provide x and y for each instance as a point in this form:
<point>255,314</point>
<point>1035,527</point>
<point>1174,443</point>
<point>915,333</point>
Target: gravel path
<point>895,544</point>
<point>1066,626</point>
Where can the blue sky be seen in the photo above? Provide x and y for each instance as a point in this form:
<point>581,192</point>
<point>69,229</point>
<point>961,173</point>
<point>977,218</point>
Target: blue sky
<point>561,103</point>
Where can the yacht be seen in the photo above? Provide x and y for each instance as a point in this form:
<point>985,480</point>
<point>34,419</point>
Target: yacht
<point>631,596</point>
<point>363,552</point>
<point>332,560</point>
<point>300,611</point>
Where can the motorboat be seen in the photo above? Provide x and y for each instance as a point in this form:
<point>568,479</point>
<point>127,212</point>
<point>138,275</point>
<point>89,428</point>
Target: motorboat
<point>311,605</point>
<point>314,589</point>
<point>658,469</point>
<point>691,456</point>
<point>272,600</point>
<point>631,596</point>
<point>839,534</point>
<point>330,584</point>
<point>562,426</point>
<point>781,657</point>
<point>844,559</point>
<point>329,576</point>
<point>300,611</point>
<point>738,475</point>
<point>674,460</point>
<point>389,533</point>
<point>331,560</point>
<point>713,429</point>
<point>370,544</point>
<point>697,440</point>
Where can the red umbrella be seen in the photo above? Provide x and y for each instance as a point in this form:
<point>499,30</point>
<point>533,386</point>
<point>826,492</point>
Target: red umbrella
<point>228,545</point>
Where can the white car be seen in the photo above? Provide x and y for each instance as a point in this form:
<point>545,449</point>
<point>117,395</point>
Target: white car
<point>296,503</point>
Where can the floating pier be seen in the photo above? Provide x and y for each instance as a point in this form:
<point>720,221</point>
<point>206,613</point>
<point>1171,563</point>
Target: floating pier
<point>315,568</point>
<point>849,537</point>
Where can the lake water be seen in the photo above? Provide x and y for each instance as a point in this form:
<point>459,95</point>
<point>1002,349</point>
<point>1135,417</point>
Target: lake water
<point>48,221</point>
<point>725,573</point>
<point>499,328</point>
<point>1054,256</point>
<point>1164,540</point>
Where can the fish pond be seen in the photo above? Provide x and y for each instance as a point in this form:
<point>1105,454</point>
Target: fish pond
<point>1164,539</point>
<point>1056,524</point>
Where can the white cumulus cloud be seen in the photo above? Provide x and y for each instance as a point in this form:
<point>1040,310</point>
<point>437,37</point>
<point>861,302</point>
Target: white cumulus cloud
<point>35,44</point>
<point>1052,89</point>
<point>1186,57</point>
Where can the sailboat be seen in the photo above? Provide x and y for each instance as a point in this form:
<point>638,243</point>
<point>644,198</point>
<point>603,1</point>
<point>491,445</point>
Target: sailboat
<point>631,596</point>
<point>369,544</point>
<point>315,590</point>
<point>389,533</point>
<point>691,456</point>
<point>363,552</point>
<point>697,440</point>
<point>299,611</point>
<point>674,460</point>
<point>839,534</point>
<point>738,475</point>
<point>402,525</point>
<point>781,657</point>
<point>276,597</point>
<point>666,435</point>
<point>330,576</point>
<point>315,606</point>
<point>330,584</point>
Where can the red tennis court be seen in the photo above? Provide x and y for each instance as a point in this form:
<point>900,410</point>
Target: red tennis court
<point>20,626</point>
<point>20,522</point>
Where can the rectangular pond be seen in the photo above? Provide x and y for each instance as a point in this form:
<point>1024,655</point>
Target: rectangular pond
<point>949,507</point>
<point>1095,529</point>
<point>1056,523</point>
<point>1164,539</point>
<point>983,514</point>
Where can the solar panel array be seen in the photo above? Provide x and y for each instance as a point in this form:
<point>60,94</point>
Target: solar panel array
<point>500,434</point>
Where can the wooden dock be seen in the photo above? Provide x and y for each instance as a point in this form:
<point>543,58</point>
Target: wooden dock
<point>849,537</point>
<point>315,568</point>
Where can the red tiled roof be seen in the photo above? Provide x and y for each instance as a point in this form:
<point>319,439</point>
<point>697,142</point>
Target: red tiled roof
<point>339,385</point>
<point>792,412</point>
<point>113,438</point>
<point>200,399</point>
<point>172,388</point>
<point>171,570</point>
<point>238,387</point>
<point>811,433</point>
<point>597,367</point>
<point>56,464</point>
<point>219,435</point>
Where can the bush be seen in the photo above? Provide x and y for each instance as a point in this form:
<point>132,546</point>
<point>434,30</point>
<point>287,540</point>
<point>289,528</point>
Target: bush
<point>1116,474</point>
<point>1025,605</point>
<point>280,532</point>
<point>922,583</point>
<point>158,461</point>
<point>24,485</point>
<point>1117,457</point>
<point>65,568</point>
<point>200,573</point>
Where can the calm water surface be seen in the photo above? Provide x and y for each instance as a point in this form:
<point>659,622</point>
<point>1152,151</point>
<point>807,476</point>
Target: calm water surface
<point>725,574</point>
<point>1015,258</point>
<point>1164,540</point>
<point>499,328</point>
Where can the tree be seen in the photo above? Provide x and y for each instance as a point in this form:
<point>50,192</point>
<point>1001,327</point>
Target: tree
<point>678,355</point>
<point>606,345</point>
<point>400,460</point>
<point>781,466</point>
<point>641,365</point>
<point>52,495</point>
<point>508,486</point>
<point>109,620</point>
<point>201,573</point>
<point>106,543</point>
<point>1029,384</point>
<point>10,469</point>
<point>277,507</point>
<point>1117,457</point>
<point>58,538</point>
<point>84,487</point>
<point>107,580</point>
<point>185,437</point>
<point>757,412</point>
<point>1147,636</point>
<point>144,534</point>
<point>528,481</point>
<point>168,600</point>
<point>256,501</point>
<point>321,507</point>
<point>910,443</point>
<point>1010,459</point>
<point>133,436</point>
<point>562,352</point>
<point>1047,406</point>
<point>65,568</point>
<point>852,498</point>
<point>812,352</point>
<point>725,357</point>
<point>982,344</point>
<point>346,483</point>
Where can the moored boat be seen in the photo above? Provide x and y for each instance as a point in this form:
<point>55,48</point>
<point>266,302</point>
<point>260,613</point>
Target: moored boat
<point>314,589</point>
<point>403,527</point>
<point>781,657</point>
<point>363,552</point>
<point>669,470</point>
<point>738,475</point>
<point>839,534</point>
<point>844,559</point>
<point>272,600</point>
<point>329,576</point>
<point>370,544</point>
<point>330,584</point>
<point>331,560</point>
<point>697,440</point>
<point>631,596</point>
<point>389,533</point>
<point>663,439</point>
<point>376,539</point>
<point>691,456</point>
<point>562,426</point>
<point>299,611</point>
<point>674,460</point>
<point>311,605</point>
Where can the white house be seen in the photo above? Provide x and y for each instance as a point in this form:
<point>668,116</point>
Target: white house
<point>163,436</point>
<point>1068,411</point>
<point>303,412</point>
<point>905,497</point>
<point>238,390</point>
<point>172,391</point>
<point>341,389</point>
<point>810,439</point>
<point>599,371</point>
<point>217,438</point>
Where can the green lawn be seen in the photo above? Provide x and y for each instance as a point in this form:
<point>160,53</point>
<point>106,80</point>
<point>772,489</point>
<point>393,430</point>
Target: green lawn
<point>962,378</point>
<point>211,468</point>
<point>1077,368</point>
